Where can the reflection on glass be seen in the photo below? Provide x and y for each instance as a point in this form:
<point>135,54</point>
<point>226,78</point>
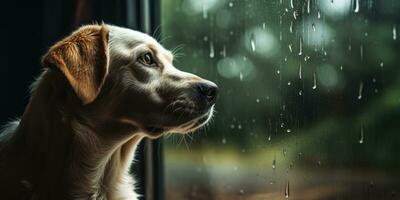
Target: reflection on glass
<point>309,103</point>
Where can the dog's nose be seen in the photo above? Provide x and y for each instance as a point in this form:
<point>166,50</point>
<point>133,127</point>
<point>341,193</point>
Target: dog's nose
<point>208,91</point>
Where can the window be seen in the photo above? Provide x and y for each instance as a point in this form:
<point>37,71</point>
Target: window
<point>309,106</point>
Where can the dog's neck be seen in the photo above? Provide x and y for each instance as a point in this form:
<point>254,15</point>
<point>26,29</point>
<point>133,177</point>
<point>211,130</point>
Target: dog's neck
<point>71,151</point>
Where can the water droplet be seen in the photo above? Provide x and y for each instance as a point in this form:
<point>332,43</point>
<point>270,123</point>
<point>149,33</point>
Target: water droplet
<point>230,4</point>
<point>212,50</point>
<point>290,48</point>
<point>289,83</point>
<point>381,64</point>
<point>319,15</point>
<point>258,100</point>
<point>291,4</point>
<point>239,126</point>
<point>232,126</point>
<point>308,6</point>
<point>269,138</point>
<point>288,130</point>
<point>284,152</point>
<point>394,32</point>
<point>205,38</point>
<point>361,52</point>
<point>341,67</point>
<point>223,140</point>
<point>287,190</point>
<point>301,47</point>
<point>360,90</point>
<point>300,92</point>
<point>205,14</point>
<point>315,82</point>
<point>361,140</point>
<point>223,52</point>
<point>291,27</point>
<point>241,76</point>
<point>313,27</point>
<point>241,191</point>
<point>278,71</point>
<point>263,26</point>
<point>300,72</point>
<point>252,42</point>
<point>295,14</point>
<point>274,163</point>
<point>357,6</point>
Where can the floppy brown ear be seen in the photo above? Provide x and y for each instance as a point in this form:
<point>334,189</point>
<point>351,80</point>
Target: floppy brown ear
<point>83,58</point>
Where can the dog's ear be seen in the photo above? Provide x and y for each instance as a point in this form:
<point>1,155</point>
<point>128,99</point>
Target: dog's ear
<point>83,58</point>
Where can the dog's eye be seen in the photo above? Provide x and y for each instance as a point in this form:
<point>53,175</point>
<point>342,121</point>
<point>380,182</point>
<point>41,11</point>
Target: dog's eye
<point>146,59</point>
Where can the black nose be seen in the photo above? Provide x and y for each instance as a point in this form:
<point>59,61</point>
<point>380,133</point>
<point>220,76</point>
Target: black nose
<point>208,91</point>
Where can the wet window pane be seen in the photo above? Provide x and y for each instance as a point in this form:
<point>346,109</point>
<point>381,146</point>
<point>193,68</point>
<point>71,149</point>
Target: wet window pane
<point>309,106</point>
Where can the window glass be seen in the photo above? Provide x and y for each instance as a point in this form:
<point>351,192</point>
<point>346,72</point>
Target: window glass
<point>309,104</point>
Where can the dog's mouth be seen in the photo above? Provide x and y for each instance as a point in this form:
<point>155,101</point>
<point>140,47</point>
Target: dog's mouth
<point>187,117</point>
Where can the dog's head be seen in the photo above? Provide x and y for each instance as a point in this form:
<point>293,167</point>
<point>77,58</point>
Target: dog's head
<point>128,76</point>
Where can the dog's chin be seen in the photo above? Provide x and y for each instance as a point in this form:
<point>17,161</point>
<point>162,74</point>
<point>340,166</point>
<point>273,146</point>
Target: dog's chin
<point>190,125</point>
<point>195,123</point>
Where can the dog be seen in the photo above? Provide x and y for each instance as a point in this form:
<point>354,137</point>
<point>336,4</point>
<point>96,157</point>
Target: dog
<point>103,89</point>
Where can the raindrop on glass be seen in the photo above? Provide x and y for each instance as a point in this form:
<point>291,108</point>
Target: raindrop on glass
<point>223,52</point>
<point>300,92</point>
<point>319,15</point>
<point>291,27</point>
<point>274,163</point>
<point>291,4</point>
<point>394,32</point>
<point>313,27</point>
<point>300,72</point>
<point>308,6</point>
<point>212,54</point>
<point>290,48</point>
<point>357,6</point>
<point>289,83</point>
<point>269,138</point>
<point>263,26</point>
<point>361,140</point>
<point>205,14</point>
<point>258,100</point>
<point>241,76</point>
<point>252,42</point>
<point>315,81</point>
<point>288,130</point>
<point>301,46</point>
<point>381,64</point>
<point>360,90</point>
<point>361,52</point>
<point>230,4</point>
<point>223,140</point>
<point>287,190</point>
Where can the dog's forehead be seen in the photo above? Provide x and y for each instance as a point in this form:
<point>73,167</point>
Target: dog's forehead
<point>131,38</point>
